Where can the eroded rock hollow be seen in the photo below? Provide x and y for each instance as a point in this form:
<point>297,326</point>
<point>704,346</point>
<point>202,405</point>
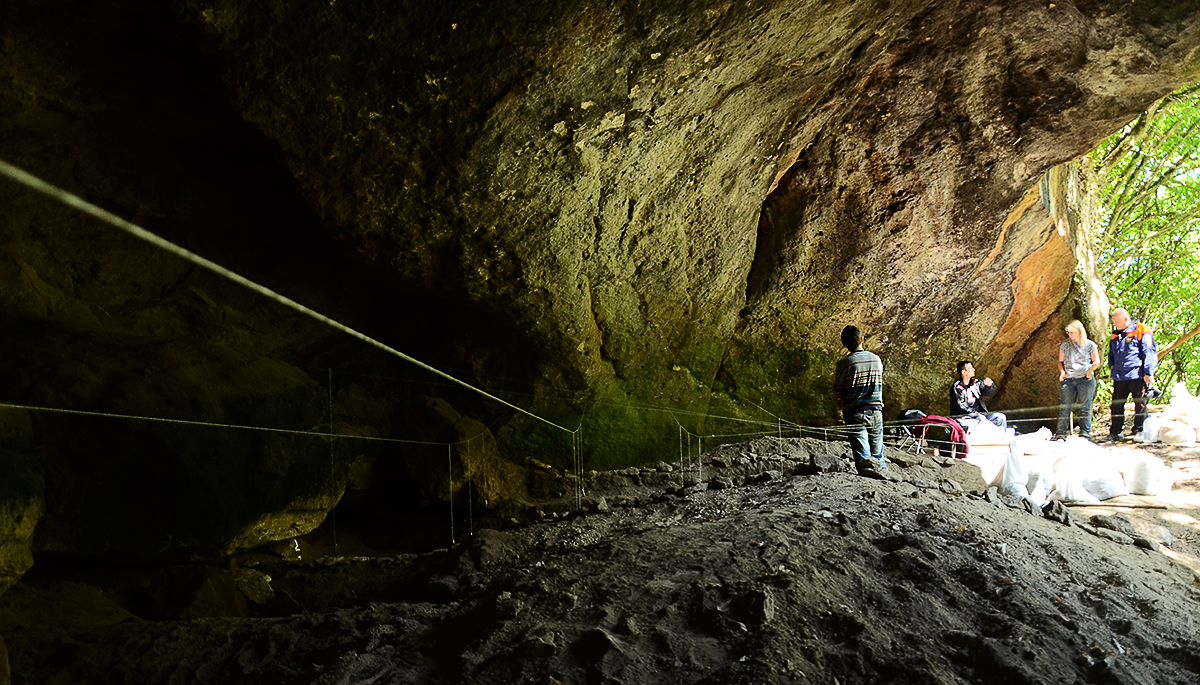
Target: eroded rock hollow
<point>633,217</point>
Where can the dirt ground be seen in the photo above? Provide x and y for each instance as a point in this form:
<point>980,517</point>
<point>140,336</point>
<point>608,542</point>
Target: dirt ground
<point>761,563</point>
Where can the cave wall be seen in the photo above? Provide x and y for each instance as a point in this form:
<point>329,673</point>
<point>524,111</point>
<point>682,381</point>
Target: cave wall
<point>105,100</point>
<point>629,217</point>
<point>671,199</point>
<point>1069,208</point>
<point>919,219</point>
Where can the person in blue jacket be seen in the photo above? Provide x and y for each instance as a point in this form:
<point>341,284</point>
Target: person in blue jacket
<point>1132,356</point>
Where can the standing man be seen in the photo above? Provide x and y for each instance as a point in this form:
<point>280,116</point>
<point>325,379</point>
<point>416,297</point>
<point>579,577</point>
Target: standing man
<point>1132,356</point>
<point>858,382</point>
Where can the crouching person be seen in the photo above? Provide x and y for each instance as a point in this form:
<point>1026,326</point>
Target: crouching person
<point>858,382</point>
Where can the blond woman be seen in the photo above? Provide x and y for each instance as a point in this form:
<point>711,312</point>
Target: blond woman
<point>1078,358</point>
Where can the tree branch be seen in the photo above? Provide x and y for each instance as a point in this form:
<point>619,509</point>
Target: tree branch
<point>1166,349</point>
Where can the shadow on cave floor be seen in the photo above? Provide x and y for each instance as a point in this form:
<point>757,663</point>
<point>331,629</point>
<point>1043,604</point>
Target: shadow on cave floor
<point>771,564</point>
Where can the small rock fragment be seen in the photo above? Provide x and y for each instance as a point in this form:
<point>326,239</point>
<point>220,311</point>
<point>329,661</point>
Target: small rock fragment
<point>1114,536</point>
<point>950,486</point>
<point>770,476</point>
<point>1118,522</point>
<point>1145,543</point>
<point>1057,511</point>
<point>830,463</point>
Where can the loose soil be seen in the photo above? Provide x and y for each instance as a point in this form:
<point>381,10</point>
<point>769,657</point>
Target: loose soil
<point>766,562</point>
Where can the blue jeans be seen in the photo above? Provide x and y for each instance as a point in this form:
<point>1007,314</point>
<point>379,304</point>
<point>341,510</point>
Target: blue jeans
<point>1075,394</point>
<point>998,418</point>
<point>865,433</point>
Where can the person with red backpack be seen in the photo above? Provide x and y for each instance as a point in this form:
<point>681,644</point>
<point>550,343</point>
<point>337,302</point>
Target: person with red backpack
<point>1132,356</point>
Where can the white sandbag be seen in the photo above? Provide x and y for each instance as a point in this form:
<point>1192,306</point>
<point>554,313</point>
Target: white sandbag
<point>987,433</point>
<point>1021,471</point>
<point>1017,490</point>
<point>1039,491</point>
<point>1187,405</point>
<point>1177,433</point>
<point>1087,466</point>
<point>1069,473</point>
<point>1034,442</point>
<point>1150,429</point>
<point>1105,483</point>
<point>1148,476</point>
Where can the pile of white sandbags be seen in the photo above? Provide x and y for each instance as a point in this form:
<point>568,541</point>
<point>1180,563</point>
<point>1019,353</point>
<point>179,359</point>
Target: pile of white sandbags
<point>1178,423</point>
<point>1077,470</point>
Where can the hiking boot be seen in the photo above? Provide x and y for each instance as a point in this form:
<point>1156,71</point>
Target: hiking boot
<point>1116,437</point>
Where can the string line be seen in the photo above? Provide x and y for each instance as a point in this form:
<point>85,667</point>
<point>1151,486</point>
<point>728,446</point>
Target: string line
<point>19,175</point>
<point>470,499</point>
<point>343,436</point>
<point>332,473</point>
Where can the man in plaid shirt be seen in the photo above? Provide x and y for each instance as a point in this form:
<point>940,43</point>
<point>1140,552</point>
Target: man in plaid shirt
<point>858,382</point>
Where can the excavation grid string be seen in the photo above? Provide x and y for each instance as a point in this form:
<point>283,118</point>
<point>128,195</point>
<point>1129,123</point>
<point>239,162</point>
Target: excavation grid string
<point>211,424</point>
<point>35,183</point>
<point>577,464</point>
<point>777,426</point>
<point>332,471</point>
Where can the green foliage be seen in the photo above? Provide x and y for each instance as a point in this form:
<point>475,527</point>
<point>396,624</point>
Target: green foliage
<point>1148,251</point>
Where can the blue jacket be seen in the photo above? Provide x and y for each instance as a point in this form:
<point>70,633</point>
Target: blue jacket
<point>1132,353</point>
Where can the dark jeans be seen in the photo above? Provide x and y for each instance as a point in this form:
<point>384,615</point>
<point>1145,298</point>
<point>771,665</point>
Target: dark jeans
<point>865,433</point>
<point>1076,394</point>
<point>1121,390</point>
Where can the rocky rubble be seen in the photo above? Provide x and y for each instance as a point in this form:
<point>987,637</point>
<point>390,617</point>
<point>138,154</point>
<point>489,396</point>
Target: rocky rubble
<point>783,574</point>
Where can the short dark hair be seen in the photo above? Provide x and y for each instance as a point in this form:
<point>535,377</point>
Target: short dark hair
<point>851,337</point>
<point>962,364</point>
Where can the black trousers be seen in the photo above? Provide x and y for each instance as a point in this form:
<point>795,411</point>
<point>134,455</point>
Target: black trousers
<point>1124,389</point>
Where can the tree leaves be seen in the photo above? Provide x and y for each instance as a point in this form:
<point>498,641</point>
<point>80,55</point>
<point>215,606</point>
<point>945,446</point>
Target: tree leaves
<point>1148,246</point>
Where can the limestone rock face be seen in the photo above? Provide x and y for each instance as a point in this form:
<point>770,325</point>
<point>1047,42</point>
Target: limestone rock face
<point>1066,209</point>
<point>672,199</point>
<point>628,218</point>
